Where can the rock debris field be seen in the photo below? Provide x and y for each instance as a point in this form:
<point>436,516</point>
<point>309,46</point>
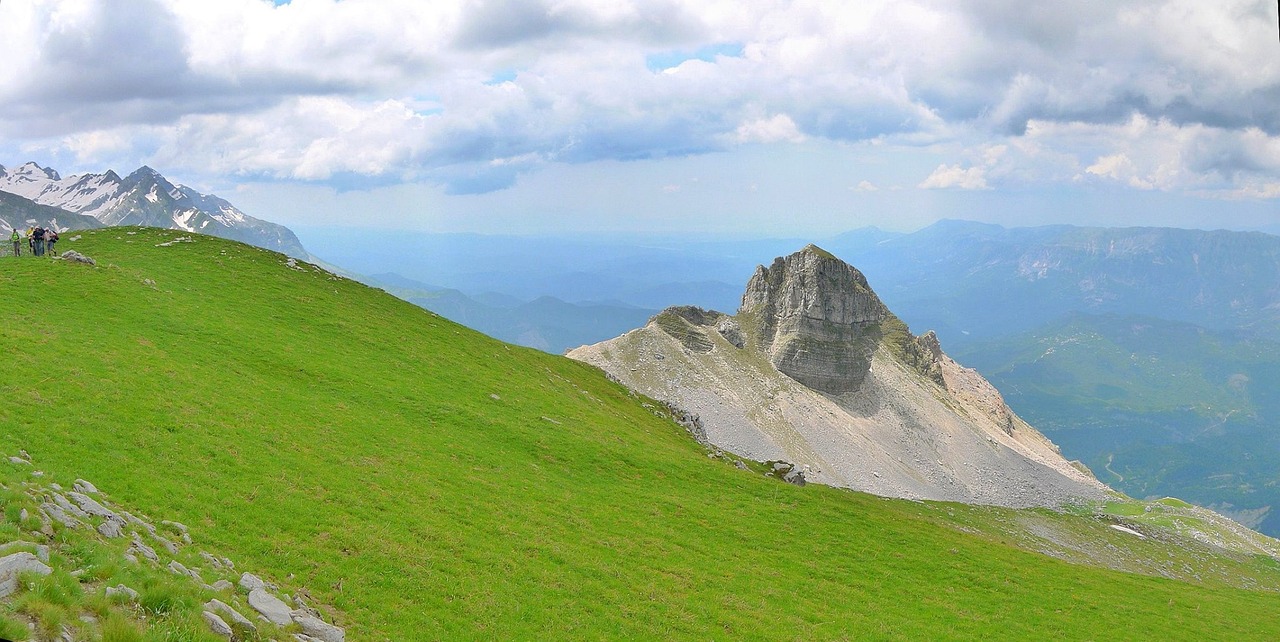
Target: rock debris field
<point>239,606</point>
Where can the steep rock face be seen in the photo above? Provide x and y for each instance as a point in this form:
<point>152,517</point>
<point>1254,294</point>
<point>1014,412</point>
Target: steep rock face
<point>815,370</point>
<point>816,317</point>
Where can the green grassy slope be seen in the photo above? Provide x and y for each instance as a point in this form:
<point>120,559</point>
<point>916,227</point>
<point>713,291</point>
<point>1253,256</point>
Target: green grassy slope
<point>431,483</point>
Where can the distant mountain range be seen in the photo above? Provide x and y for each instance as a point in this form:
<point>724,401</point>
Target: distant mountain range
<point>34,195</point>
<point>546,323</point>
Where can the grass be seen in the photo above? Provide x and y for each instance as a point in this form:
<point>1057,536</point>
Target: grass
<point>401,469</point>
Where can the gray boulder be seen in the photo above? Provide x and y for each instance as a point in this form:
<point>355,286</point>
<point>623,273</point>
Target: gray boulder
<point>92,507</point>
<point>317,628</point>
<point>249,582</point>
<point>121,589</point>
<point>12,565</point>
<point>271,607</point>
<point>218,606</point>
<point>111,528</point>
<point>217,625</point>
<point>76,257</point>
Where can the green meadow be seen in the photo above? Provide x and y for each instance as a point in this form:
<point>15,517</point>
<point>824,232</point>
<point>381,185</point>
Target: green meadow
<point>426,482</point>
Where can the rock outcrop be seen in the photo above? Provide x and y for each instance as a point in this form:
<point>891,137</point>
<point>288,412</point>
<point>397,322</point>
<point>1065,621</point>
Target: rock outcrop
<point>814,370</point>
<point>816,317</point>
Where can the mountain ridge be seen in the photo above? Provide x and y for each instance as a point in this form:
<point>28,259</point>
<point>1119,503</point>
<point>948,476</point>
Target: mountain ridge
<point>145,197</point>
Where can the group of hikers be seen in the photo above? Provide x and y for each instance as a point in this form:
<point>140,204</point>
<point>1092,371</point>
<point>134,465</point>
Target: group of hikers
<point>39,241</point>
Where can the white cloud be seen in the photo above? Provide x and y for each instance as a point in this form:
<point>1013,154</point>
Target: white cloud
<point>954,176</point>
<point>777,129</point>
<point>1183,91</point>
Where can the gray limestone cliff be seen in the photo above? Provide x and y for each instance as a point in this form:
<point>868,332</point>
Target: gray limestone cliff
<point>816,317</point>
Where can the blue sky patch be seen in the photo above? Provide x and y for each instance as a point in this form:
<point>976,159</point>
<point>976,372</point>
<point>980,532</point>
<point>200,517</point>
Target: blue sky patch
<point>669,59</point>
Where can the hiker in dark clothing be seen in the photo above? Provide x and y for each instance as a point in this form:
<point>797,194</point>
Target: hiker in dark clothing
<point>38,235</point>
<point>51,237</point>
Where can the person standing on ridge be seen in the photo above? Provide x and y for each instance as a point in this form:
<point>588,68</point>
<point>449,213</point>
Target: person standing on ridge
<point>38,235</point>
<point>31,240</point>
<point>51,237</point>
<point>16,237</point>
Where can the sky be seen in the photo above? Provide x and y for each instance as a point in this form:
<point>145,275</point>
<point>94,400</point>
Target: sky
<point>744,117</point>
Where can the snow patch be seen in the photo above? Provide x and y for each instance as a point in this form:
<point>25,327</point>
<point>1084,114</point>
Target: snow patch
<point>1126,529</point>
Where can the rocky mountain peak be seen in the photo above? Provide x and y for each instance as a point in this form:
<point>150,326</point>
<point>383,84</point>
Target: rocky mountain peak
<point>31,168</point>
<point>816,318</point>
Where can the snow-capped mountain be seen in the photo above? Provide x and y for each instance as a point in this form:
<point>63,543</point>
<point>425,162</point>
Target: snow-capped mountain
<point>21,213</point>
<point>145,198</point>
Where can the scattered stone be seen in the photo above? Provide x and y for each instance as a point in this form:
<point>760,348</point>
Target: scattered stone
<point>795,476</point>
<point>24,515</point>
<point>218,606</point>
<point>317,628</point>
<point>134,520</point>
<point>19,461</point>
<point>495,397</point>
<point>122,590</point>
<point>180,527</point>
<point>222,585</point>
<point>12,565</point>
<point>270,606</point>
<point>75,238</point>
<point>218,626</point>
<point>168,545</point>
<point>76,257</point>
<point>146,551</point>
<point>740,465</point>
<point>211,560</point>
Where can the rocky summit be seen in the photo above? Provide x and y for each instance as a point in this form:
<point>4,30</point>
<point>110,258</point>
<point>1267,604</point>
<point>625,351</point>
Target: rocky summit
<point>815,370</point>
<point>816,318</point>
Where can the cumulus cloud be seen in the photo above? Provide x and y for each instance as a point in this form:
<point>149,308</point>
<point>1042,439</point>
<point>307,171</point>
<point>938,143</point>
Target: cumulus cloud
<point>777,129</point>
<point>954,176</point>
<point>1164,95</point>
